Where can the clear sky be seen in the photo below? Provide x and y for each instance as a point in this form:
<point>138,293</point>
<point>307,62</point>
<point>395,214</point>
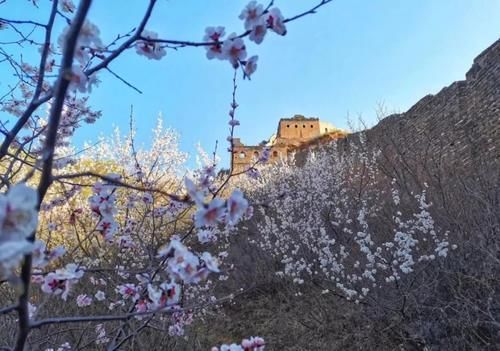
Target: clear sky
<point>344,60</point>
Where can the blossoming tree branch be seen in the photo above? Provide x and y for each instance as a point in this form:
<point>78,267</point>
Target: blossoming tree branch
<point>73,234</point>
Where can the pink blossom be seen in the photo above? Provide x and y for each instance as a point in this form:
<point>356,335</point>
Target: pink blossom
<point>184,266</point>
<point>42,256</point>
<point>250,66</point>
<point>236,207</point>
<point>18,220</point>
<point>254,343</point>
<point>55,285</point>
<point>209,215</point>
<point>145,46</point>
<point>125,241</point>
<point>251,14</point>
<point>147,198</point>
<point>210,262</point>
<point>234,50</point>
<point>259,31</point>
<point>89,35</point>
<point>141,306</point>
<point>83,300</point>
<point>11,254</point>
<point>166,294</point>
<point>193,192</point>
<point>214,34</point>
<point>128,291</point>
<point>274,20</point>
<point>88,41</point>
<point>71,271</point>
<point>107,227</point>
<point>169,250</point>
<point>18,214</point>
<point>79,80</point>
<point>176,330</point>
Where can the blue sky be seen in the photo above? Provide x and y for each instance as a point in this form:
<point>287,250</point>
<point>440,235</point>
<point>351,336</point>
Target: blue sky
<point>344,60</point>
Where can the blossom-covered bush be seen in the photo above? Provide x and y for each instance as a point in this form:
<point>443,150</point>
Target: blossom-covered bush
<point>322,222</point>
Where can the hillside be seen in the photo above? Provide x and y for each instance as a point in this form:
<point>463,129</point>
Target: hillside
<point>420,190</point>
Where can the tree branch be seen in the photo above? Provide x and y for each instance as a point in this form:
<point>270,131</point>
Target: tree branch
<point>35,101</point>
<point>48,157</point>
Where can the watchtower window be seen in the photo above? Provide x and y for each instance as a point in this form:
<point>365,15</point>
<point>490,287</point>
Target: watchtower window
<point>288,126</point>
<point>256,154</point>
<point>303,126</point>
<point>275,153</point>
<point>296,126</point>
<point>326,129</point>
<point>242,155</point>
<point>312,126</point>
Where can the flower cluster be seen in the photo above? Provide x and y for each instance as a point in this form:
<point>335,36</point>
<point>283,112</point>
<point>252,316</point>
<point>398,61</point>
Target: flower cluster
<point>164,295</point>
<point>102,204</point>
<point>257,21</point>
<point>184,265</point>
<point>79,81</point>
<point>149,48</point>
<point>255,343</point>
<point>313,232</point>
<point>64,347</point>
<point>217,210</point>
<point>83,300</point>
<point>88,43</point>
<point>42,255</point>
<point>61,281</point>
<point>18,221</point>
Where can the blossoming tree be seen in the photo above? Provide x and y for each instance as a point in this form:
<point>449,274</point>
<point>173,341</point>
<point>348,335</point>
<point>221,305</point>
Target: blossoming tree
<point>72,234</point>
<point>345,225</point>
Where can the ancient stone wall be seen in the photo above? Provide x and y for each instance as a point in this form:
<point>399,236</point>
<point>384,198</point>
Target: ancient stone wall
<point>456,131</point>
<point>460,124</point>
<point>291,135</point>
<point>298,128</point>
<point>458,127</point>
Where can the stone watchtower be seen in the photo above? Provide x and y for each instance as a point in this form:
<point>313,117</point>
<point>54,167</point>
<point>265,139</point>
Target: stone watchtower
<point>291,134</point>
<point>298,128</point>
